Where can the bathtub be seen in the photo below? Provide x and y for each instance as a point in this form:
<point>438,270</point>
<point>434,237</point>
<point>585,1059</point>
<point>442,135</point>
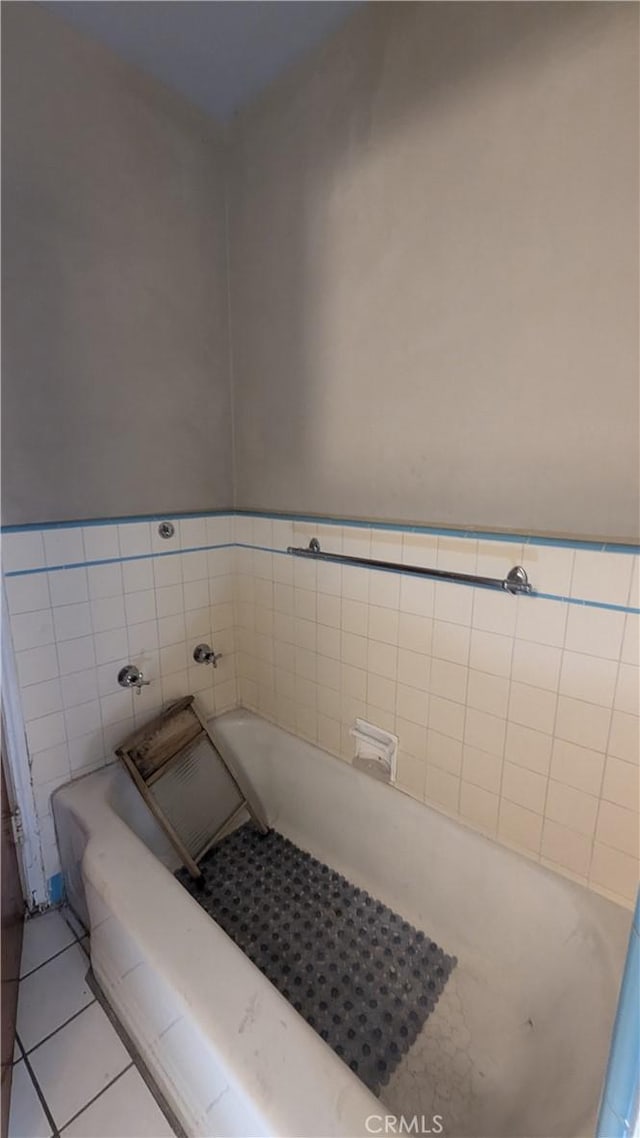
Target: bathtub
<point>517,1045</point>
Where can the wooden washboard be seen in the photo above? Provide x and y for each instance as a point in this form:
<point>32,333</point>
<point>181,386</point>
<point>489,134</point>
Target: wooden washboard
<point>186,782</point>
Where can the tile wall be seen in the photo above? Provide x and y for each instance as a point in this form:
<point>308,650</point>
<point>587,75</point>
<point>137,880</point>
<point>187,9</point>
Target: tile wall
<point>86,600</point>
<point>516,715</point>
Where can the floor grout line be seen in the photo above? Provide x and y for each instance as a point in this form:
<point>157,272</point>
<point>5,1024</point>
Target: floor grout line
<point>40,1093</point>
<point>96,1097</point>
<point>51,1034</point>
<point>55,956</point>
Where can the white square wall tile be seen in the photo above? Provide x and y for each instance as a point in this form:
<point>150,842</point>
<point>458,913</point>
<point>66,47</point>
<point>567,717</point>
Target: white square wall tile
<point>111,645</point>
<point>617,827</point>
<point>79,687</point>
<point>63,546</point>
<point>596,631</point>
<point>90,1048</point>
<point>549,568</point>
<point>51,995</point>
<point>528,748</point>
<point>532,707</point>
<point>167,570</point>
<point>582,723</point>
<point>37,664</point>
<point>82,719</point>
<point>536,664</point>
<point>22,550</point>
<point>488,693</point>
<point>137,575</point>
<point>41,699</point>
<point>68,586</point>
<point>26,1116</point>
<point>28,593</point>
<point>494,612</point>
<point>453,603</point>
<point>479,807</point>
<point>76,655</point>
<point>49,731</point>
<point>442,788</point>
<point>100,542</point>
<point>524,787</point>
<point>591,678</point>
<point>134,539</point>
<point>487,732</point>
<point>193,532</point>
<point>541,621</point>
<point>519,826</point>
<point>614,871</point>
<point>446,717</point>
<point>599,576</point>
<point>50,764</point>
<point>482,769</point>
<point>72,621</point>
<point>491,652</point>
<point>141,607</point>
<point>571,808</point>
<point>32,629</point>
<point>104,581</point>
<point>577,766</point>
<point>107,613</point>
<point>566,847</point>
<point>126,1107</point>
<point>169,600</point>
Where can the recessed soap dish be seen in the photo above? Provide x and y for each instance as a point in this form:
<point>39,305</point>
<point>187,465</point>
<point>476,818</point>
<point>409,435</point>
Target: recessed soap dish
<point>376,751</point>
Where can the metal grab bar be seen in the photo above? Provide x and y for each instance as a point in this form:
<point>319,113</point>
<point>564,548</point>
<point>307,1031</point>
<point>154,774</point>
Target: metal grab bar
<point>515,582</point>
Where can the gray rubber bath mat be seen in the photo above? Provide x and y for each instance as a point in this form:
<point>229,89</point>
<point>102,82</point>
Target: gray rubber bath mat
<point>364,978</point>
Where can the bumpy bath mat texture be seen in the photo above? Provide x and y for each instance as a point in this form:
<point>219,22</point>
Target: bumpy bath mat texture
<point>364,978</point>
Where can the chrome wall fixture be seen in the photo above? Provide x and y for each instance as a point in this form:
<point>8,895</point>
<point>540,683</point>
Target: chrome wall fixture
<point>204,654</point>
<point>516,580</point>
<point>166,530</point>
<point>132,677</point>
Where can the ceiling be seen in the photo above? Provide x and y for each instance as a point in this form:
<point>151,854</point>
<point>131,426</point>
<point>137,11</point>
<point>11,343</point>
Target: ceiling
<point>219,53</point>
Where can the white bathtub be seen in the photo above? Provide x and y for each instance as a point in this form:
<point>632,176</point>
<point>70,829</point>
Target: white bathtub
<point>517,1045</point>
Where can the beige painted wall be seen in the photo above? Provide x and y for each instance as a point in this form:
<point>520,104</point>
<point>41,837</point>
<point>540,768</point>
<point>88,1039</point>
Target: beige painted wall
<point>434,271</point>
<point>115,392</point>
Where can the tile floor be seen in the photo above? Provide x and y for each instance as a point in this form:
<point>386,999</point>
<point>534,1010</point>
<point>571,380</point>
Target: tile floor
<point>72,1074</point>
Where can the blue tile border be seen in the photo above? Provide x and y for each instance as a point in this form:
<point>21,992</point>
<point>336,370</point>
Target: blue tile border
<point>352,523</point>
<point>402,571</point>
<point>30,527</point>
<point>119,560</point>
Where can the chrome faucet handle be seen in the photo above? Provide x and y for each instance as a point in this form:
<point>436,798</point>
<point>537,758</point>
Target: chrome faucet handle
<point>132,677</point>
<point>204,654</point>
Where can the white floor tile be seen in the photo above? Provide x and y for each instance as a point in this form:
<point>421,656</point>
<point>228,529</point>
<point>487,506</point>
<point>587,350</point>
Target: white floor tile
<point>26,1116</point>
<point>43,937</point>
<point>51,995</point>
<point>127,1109</point>
<point>77,1063</point>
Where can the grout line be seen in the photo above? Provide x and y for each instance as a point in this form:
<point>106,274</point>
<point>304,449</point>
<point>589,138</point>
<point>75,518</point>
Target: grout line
<point>38,1089</point>
<point>96,1097</point>
<point>51,1034</point>
<point>55,956</point>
